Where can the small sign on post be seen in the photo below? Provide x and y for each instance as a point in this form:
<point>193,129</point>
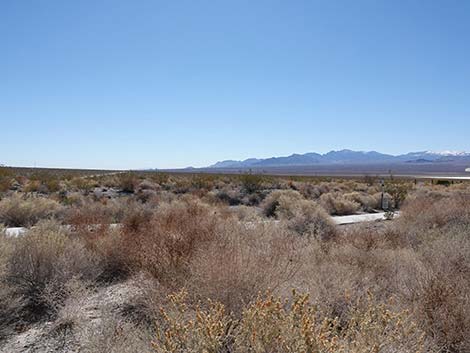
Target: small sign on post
<point>383,200</point>
<point>385,203</point>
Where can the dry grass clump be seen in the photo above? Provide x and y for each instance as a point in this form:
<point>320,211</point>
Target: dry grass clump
<point>272,324</point>
<point>18,211</point>
<point>337,204</point>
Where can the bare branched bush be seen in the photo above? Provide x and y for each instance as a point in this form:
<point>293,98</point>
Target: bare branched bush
<point>165,246</point>
<point>242,261</point>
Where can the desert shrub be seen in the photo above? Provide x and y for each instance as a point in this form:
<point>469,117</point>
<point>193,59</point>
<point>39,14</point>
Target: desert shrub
<point>9,304</point>
<point>231,197</point>
<point>39,266</point>
<point>308,190</point>
<point>128,182</point>
<point>89,216</point>
<point>5,184</point>
<point>165,246</point>
<point>209,331</point>
<point>338,204</point>
<point>367,202</point>
<point>420,213</point>
<point>398,191</point>
<point>44,182</point>
<point>272,324</point>
<point>32,186</point>
<point>302,216</point>
<point>306,218</point>
<point>83,184</point>
<point>17,211</point>
<point>439,297</point>
<point>6,179</point>
<point>251,183</point>
<point>271,202</point>
<point>227,268</point>
<point>246,213</point>
<point>159,177</point>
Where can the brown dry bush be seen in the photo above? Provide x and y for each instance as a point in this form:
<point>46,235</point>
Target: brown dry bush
<point>128,182</point>
<point>88,216</point>
<point>242,261</point>
<point>421,213</point>
<point>165,245</point>
<point>6,180</point>
<point>17,211</point>
<point>440,296</point>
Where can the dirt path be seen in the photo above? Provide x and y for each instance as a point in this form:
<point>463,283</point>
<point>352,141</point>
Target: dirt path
<point>82,318</point>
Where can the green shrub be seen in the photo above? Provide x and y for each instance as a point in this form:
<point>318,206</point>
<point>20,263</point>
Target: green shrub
<point>251,183</point>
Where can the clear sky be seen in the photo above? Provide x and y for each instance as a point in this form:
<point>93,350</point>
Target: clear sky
<point>148,83</point>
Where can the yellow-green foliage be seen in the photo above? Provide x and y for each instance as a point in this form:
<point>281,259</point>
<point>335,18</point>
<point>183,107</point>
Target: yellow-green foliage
<point>275,325</point>
<point>251,182</point>
<point>207,330</point>
<point>82,184</point>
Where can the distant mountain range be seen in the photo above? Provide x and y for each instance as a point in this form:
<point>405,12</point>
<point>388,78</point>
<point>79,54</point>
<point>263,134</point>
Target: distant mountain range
<point>346,157</point>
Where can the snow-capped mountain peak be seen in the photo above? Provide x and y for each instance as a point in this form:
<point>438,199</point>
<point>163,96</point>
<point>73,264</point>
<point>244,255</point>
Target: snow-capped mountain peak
<point>449,153</point>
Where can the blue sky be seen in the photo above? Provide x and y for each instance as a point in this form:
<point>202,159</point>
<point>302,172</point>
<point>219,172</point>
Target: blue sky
<point>148,83</point>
